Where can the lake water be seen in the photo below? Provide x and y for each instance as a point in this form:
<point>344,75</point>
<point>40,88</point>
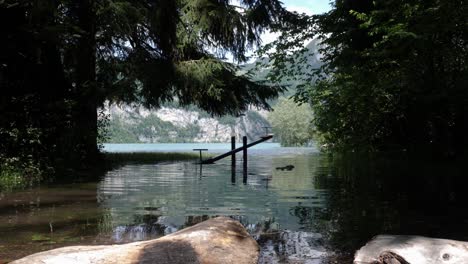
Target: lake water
<point>319,212</point>
<point>188,147</point>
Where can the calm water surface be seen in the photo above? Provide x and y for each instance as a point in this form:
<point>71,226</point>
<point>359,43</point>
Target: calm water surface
<point>188,147</point>
<point>320,212</point>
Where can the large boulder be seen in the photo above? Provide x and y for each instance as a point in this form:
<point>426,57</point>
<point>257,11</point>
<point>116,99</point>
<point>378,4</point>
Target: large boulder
<point>218,240</point>
<point>386,249</point>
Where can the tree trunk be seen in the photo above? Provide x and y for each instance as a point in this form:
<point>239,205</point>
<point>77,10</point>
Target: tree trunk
<point>86,110</point>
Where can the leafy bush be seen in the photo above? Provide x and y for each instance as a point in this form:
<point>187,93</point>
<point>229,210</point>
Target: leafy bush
<point>292,123</point>
<point>11,178</point>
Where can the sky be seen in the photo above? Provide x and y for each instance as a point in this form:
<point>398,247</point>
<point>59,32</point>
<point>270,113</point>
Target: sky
<point>309,7</point>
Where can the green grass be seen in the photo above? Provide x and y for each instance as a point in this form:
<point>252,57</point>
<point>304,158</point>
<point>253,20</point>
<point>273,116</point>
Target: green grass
<point>39,238</point>
<point>151,157</point>
<point>11,178</point>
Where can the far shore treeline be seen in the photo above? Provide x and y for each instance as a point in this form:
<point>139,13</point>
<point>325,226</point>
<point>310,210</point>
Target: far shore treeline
<point>393,74</point>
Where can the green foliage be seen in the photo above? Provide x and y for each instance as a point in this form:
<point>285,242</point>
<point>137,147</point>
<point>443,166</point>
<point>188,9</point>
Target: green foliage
<point>61,60</point>
<point>291,123</point>
<point>11,178</point>
<point>40,238</point>
<point>215,87</point>
<point>394,74</point>
<point>119,133</point>
<point>174,61</point>
<point>103,128</point>
<point>225,26</point>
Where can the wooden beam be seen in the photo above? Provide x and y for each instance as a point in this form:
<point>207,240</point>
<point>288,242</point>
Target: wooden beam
<point>227,154</point>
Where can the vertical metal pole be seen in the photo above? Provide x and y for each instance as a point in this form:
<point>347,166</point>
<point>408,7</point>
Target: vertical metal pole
<point>233,147</point>
<point>244,142</point>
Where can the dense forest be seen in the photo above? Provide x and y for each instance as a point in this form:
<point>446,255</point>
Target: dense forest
<point>61,60</point>
<point>393,74</point>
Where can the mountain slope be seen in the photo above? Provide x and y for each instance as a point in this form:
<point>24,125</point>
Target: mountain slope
<point>136,124</point>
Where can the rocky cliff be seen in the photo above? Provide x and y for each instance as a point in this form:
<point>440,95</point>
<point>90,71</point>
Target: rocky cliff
<point>136,124</point>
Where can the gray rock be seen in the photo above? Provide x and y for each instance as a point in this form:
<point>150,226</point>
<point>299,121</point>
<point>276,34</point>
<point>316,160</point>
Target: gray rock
<point>218,240</point>
<point>413,250</point>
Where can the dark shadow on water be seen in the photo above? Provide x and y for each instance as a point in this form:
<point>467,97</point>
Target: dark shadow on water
<point>371,196</point>
<point>333,204</point>
<point>244,175</point>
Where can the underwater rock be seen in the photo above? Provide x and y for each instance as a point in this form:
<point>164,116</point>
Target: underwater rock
<point>288,168</point>
<point>384,249</point>
<point>292,247</point>
<point>218,240</point>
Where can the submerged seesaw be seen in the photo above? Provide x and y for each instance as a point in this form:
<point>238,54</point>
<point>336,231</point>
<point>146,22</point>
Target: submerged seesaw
<point>234,150</point>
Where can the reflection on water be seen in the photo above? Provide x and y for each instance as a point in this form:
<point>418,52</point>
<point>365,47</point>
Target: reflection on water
<point>45,218</point>
<point>148,201</point>
<point>176,191</point>
<point>396,196</point>
<point>320,212</point>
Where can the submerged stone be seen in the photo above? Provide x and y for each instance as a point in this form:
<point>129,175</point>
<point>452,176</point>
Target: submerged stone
<point>385,249</point>
<point>293,247</point>
<point>218,240</point>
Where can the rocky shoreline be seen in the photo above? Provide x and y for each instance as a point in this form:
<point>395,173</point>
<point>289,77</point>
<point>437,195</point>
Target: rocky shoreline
<point>218,240</point>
